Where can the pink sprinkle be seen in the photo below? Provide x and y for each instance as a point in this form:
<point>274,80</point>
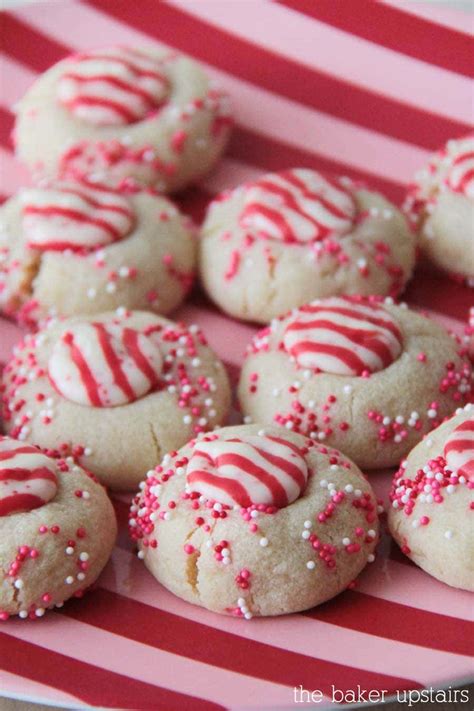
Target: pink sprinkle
<point>189,549</point>
<point>178,140</point>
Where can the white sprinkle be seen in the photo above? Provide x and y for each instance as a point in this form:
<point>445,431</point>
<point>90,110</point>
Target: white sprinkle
<point>307,524</point>
<point>23,614</point>
<point>18,584</point>
<point>448,534</point>
<point>264,542</point>
<point>370,558</point>
<point>39,612</point>
<point>69,580</point>
<point>111,287</point>
<point>140,555</point>
<point>69,550</point>
<point>84,556</point>
<point>346,541</point>
<point>305,534</point>
<point>311,565</point>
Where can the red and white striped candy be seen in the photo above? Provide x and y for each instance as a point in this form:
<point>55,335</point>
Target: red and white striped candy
<point>27,477</point>
<point>460,177</point>
<point>338,335</point>
<point>113,86</point>
<point>104,364</point>
<point>459,450</point>
<point>298,206</point>
<point>71,216</point>
<point>249,470</point>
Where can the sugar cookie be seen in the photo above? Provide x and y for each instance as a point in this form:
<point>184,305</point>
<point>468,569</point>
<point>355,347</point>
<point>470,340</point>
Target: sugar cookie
<point>115,391</point>
<point>362,375</point>
<point>57,530</point>
<point>432,502</point>
<point>252,522</point>
<point>440,206</point>
<point>120,113</point>
<point>71,248</point>
<point>293,236</point>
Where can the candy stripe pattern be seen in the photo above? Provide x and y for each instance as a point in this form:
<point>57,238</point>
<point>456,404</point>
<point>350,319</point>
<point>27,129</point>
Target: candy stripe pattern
<point>340,336</point>
<point>74,217</point>
<point>255,470</point>
<point>298,206</point>
<point>460,178</point>
<point>27,477</point>
<point>459,450</point>
<point>104,365</point>
<point>113,86</point>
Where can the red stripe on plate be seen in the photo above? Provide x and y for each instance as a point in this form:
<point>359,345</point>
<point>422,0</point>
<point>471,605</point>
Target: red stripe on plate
<point>284,76</point>
<point>395,29</point>
<point>256,149</point>
<point>6,126</point>
<point>172,633</point>
<point>94,686</point>
<point>431,289</point>
<point>382,618</point>
<point>27,46</point>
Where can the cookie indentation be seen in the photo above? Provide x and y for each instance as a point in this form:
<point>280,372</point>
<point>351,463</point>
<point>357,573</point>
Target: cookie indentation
<point>459,450</point>
<point>298,206</point>
<point>343,337</point>
<point>27,477</point>
<point>73,216</point>
<point>113,87</point>
<point>105,365</point>
<point>248,471</point>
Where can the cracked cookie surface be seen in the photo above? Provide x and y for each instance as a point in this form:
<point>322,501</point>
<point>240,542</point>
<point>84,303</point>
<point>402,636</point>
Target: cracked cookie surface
<point>73,248</point>
<point>55,550</point>
<point>255,559</point>
<point>293,236</point>
<point>115,391</point>
<point>325,371</point>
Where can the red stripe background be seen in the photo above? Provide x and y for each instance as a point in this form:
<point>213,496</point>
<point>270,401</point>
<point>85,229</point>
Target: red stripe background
<point>111,611</point>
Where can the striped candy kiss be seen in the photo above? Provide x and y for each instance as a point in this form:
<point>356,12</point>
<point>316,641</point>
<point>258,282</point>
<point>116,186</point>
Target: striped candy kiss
<point>104,365</point>
<point>341,336</point>
<point>298,206</point>
<point>114,86</point>
<point>459,450</point>
<point>250,470</point>
<point>71,216</point>
<point>460,177</point>
<point>27,477</point>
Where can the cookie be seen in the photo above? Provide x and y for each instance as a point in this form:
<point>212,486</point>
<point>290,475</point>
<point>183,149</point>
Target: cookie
<point>72,248</point>
<point>440,206</point>
<point>362,375</point>
<point>432,502</point>
<point>119,113</point>
<point>57,530</point>
<point>251,522</point>
<point>293,236</point>
<point>115,391</point>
